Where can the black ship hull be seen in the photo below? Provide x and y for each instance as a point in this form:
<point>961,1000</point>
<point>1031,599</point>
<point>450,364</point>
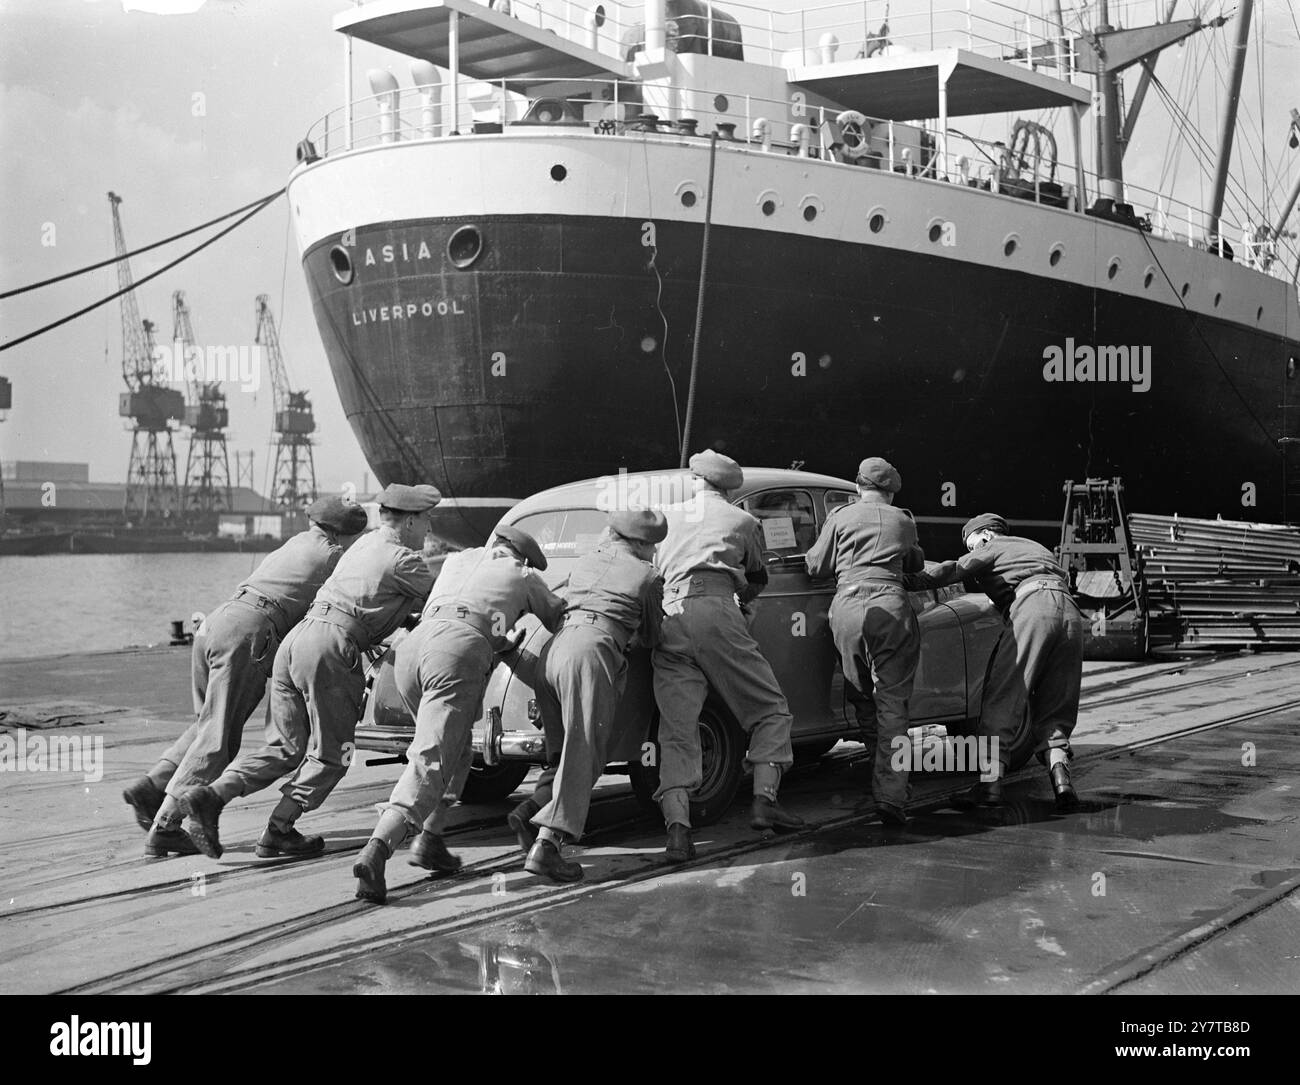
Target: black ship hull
<point>565,352</point>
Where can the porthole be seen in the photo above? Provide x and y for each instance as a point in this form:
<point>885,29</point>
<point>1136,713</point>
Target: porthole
<point>688,198</point>
<point>720,103</point>
<point>341,262</point>
<point>1217,298</point>
<point>1054,257</point>
<point>1259,313</point>
<point>769,207</point>
<point>1009,245</point>
<point>809,213</point>
<point>465,246</point>
<point>1113,269</point>
<point>1186,288</point>
<point>648,344</point>
<point>936,232</point>
<point>876,223</point>
<point>558,172</point>
<point>1148,277</point>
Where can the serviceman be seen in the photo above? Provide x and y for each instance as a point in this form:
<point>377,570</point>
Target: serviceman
<point>867,545</point>
<point>712,564</point>
<point>613,599</point>
<point>1038,660</point>
<point>441,671</point>
<point>319,682</point>
<point>234,650</point>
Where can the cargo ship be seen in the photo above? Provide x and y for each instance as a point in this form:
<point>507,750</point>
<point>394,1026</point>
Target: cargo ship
<point>563,242</point>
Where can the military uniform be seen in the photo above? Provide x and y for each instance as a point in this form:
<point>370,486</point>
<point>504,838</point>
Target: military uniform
<point>711,556</point>
<point>868,546</point>
<point>233,653</point>
<point>318,682</point>
<point>441,672</point>
<point>611,597</point>
<point>1038,660</point>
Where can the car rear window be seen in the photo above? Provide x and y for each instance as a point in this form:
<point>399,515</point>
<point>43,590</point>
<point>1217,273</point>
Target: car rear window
<point>564,533</point>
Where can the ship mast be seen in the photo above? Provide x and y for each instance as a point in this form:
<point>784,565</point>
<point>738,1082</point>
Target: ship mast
<point>1230,118</point>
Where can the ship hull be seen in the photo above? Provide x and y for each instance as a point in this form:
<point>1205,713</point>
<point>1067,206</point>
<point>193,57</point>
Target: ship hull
<point>566,351</point>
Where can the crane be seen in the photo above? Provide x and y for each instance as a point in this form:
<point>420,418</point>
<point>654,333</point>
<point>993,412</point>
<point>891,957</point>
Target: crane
<point>207,467</point>
<point>295,473</point>
<point>151,487</point>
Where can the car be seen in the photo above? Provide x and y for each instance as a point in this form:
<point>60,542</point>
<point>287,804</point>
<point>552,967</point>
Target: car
<point>790,623</point>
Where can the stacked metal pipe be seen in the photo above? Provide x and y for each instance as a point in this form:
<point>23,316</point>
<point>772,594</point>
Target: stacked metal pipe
<point>1222,583</point>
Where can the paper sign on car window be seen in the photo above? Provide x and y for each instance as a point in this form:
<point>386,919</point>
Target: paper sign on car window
<point>778,533</point>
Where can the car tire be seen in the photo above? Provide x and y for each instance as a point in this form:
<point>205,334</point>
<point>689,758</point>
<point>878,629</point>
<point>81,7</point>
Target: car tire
<point>722,751</point>
<point>492,783</point>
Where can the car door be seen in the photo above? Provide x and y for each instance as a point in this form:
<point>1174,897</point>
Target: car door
<point>790,623</point>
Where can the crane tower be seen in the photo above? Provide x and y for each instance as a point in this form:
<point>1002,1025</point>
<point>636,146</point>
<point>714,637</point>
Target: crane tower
<point>295,473</point>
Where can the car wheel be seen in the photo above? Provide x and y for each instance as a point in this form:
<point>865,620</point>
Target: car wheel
<point>492,783</point>
<point>722,757</point>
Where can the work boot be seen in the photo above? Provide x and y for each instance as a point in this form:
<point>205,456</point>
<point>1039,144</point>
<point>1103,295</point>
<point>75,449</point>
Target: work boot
<point>520,820</point>
<point>766,814</point>
<point>145,797</point>
<point>985,793</point>
<point>1062,787</point>
<point>545,860</point>
<point>429,851</point>
<point>204,807</point>
<point>369,871</point>
<point>161,843</point>
<point>288,842</point>
<point>891,814</point>
<point>679,849</point>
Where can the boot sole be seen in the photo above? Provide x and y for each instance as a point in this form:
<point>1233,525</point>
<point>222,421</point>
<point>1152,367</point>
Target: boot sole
<point>543,872</point>
<point>264,852</point>
<point>367,887</point>
<point>524,832</point>
<point>164,853</point>
<point>439,868</point>
<point>208,845</point>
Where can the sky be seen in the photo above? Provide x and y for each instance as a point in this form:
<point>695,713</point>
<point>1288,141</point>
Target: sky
<point>187,116</point>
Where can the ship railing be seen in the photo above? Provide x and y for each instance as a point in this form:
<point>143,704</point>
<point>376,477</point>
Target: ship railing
<point>764,125</point>
<point>840,31</point>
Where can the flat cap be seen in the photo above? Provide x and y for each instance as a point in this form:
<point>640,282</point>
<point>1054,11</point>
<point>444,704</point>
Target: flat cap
<point>408,498</point>
<point>524,543</point>
<point>646,525</point>
<point>873,471</point>
<point>982,521</point>
<point>717,469</point>
<point>345,517</point>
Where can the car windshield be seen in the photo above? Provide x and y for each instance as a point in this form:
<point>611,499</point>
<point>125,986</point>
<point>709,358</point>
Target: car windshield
<point>564,533</point>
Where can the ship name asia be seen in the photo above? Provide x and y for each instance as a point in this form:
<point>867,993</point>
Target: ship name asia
<point>1104,364</point>
<point>407,310</point>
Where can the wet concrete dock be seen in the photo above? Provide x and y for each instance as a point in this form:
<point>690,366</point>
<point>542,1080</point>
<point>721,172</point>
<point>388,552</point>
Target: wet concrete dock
<point>1178,874</point>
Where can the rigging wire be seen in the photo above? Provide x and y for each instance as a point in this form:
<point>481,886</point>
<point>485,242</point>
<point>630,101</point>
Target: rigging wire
<point>266,202</point>
<point>134,252</point>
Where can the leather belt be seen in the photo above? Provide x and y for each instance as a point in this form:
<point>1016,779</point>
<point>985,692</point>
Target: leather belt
<point>602,622</point>
<point>1049,583</point>
<point>274,613</point>
<point>871,574</point>
<point>703,583</point>
<point>349,623</point>
<point>457,612</point>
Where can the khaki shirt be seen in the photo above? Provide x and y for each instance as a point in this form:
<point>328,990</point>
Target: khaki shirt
<point>379,582</point>
<point>866,540</point>
<point>291,575</point>
<point>610,581</point>
<point>997,568</point>
<point>495,588</point>
<point>708,534</point>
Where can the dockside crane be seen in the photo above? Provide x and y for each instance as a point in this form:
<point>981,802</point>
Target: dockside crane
<point>152,491</point>
<point>207,467</point>
<point>295,472</point>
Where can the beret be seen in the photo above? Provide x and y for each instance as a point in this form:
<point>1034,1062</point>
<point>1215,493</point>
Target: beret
<point>982,521</point>
<point>646,525</point>
<point>722,471</point>
<point>345,517</point>
<point>408,498</point>
<point>873,471</point>
<point>524,543</point>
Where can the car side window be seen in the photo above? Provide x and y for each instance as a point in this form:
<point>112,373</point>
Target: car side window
<point>837,498</point>
<point>788,519</point>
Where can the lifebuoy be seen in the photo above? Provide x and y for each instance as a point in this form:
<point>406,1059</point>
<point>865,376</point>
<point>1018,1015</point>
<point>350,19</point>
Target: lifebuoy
<point>855,134</point>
